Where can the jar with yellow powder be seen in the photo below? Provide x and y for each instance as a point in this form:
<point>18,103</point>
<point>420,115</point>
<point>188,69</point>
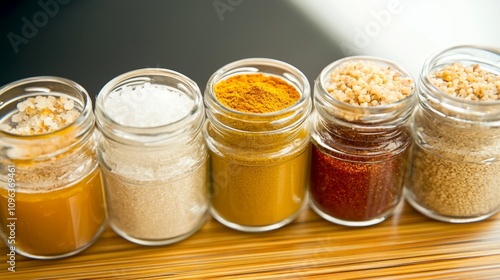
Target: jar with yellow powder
<point>258,135</point>
<point>51,196</point>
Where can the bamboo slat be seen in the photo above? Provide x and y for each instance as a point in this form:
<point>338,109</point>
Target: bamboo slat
<point>406,246</point>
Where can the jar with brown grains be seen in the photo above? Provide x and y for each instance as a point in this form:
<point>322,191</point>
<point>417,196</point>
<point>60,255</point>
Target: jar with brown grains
<point>51,191</point>
<point>360,140</point>
<point>455,173</point>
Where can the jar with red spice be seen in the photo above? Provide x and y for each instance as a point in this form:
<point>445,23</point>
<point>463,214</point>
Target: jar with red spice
<point>360,139</point>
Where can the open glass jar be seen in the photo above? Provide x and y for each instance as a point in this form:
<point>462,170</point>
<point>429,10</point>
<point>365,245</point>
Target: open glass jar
<point>260,161</point>
<point>155,173</point>
<point>455,175</point>
<point>360,153</point>
<point>51,189</point>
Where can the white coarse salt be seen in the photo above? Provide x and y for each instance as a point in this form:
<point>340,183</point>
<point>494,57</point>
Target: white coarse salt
<point>147,105</point>
<point>156,194</point>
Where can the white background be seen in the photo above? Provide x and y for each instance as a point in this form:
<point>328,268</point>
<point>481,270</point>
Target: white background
<point>415,32</point>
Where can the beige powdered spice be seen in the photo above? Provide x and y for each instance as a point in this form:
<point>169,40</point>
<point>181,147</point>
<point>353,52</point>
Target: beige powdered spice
<point>366,83</point>
<point>157,210</point>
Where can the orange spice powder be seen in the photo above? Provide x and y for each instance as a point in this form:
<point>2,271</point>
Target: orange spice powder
<point>256,93</point>
<point>259,179</point>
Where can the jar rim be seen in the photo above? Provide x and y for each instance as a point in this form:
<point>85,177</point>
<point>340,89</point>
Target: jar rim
<point>256,65</point>
<point>483,55</point>
<point>24,85</point>
<point>183,84</point>
<point>370,117</point>
<point>321,81</point>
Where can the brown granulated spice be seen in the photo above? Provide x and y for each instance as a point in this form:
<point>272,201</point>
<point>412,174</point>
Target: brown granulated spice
<point>468,82</point>
<point>366,83</point>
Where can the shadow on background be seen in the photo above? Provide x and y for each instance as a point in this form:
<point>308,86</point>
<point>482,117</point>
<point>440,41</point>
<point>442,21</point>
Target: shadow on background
<point>93,41</point>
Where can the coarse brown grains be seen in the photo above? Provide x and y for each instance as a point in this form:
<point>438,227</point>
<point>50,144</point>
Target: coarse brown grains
<point>366,83</point>
<point>454,188</point>
<point>468,82</point>
<point>452,175</point>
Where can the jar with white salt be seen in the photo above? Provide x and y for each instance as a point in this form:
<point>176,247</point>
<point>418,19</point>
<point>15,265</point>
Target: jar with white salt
<point>153,155</point>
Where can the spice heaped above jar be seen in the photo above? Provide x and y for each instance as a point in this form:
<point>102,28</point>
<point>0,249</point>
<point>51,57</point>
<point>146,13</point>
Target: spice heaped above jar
<point>455,174</point>
<point>51,197</point>
<point>360,140</point>
<point>153,156</point>
<point>258,134</point>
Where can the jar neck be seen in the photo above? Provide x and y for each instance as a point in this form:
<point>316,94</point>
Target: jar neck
<point>267,135</point>
<point>360,134</point>
<point>236,122</point>
<point>49,145</point>
<point>179,131</point>
<point>360,143</point>
<point>50,161</point>
<point>233,123</point>
<point>347,121</point>
<point>347,130</point>
<point>448,109</point>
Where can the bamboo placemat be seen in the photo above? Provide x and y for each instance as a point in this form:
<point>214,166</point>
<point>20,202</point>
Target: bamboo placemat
<point>406,246</point>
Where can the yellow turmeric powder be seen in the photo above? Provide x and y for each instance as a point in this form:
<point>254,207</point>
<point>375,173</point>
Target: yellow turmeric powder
<point>256,93</point>
<point>258,136</point>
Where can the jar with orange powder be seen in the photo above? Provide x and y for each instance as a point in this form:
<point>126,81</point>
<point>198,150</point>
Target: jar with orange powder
<point>258,135</point>
<point>51,197</point>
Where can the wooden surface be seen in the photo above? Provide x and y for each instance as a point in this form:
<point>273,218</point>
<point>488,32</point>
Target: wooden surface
<point>406,246</point>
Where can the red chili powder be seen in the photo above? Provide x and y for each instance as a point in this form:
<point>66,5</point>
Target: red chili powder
<point>351,189</point>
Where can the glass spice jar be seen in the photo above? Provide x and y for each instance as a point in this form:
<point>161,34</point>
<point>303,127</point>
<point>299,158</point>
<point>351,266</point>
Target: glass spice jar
<point>360,153</point>
<point>260,161</point>
<point>51,196</point>
<point>455,172</point>
<point>153,155</point>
